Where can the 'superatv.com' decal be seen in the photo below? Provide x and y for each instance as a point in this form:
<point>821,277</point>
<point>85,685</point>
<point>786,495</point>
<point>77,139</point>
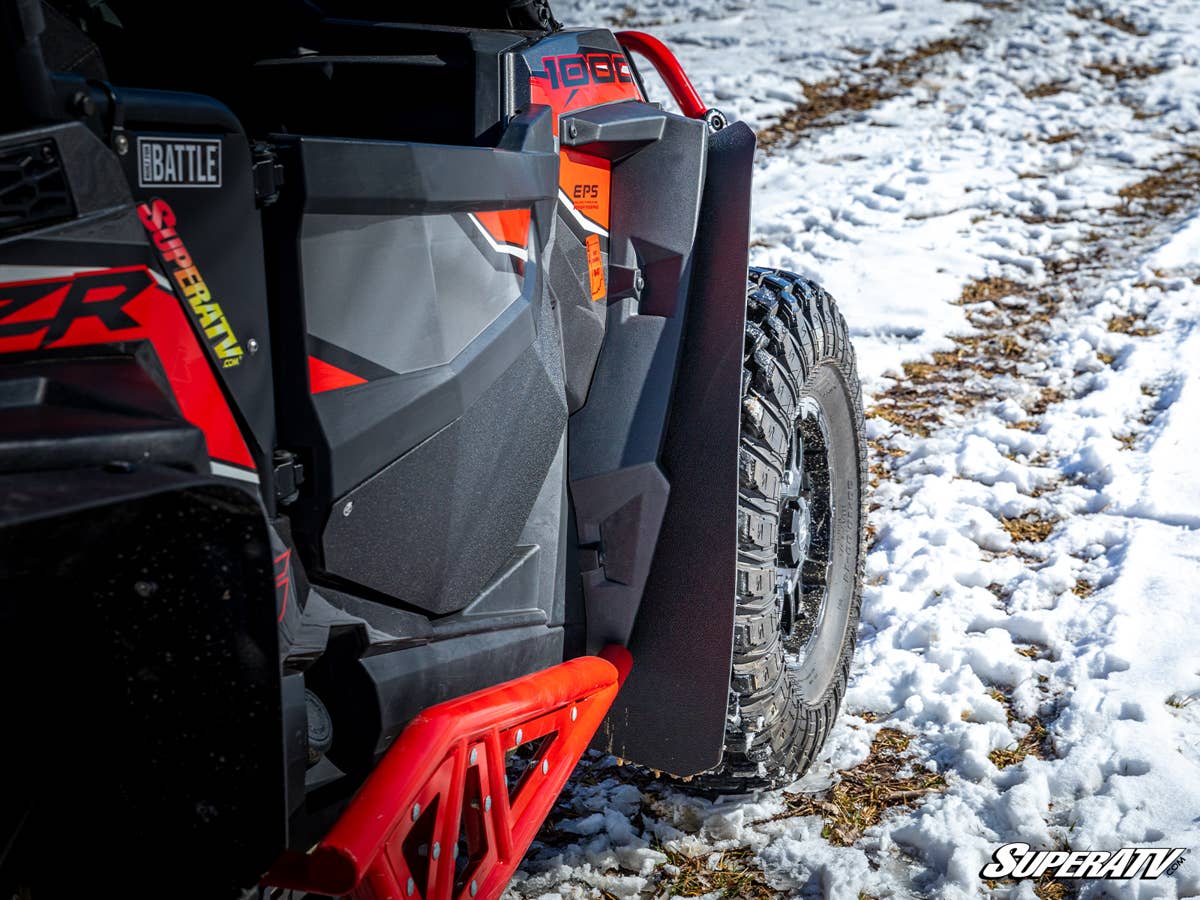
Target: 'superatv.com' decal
<point>159,219</point>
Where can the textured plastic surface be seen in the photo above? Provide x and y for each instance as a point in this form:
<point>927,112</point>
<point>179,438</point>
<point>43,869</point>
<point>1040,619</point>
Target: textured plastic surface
<point>446,776</point>
<point>671,716</point>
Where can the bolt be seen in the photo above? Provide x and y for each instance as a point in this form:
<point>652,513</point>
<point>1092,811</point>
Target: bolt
<point>120,143</point>
<point>520,734</point>
<point>252,344</point>
<point>416,811</point>
<point>412,886</point>
<point>437,849</point>
<point>474,755</point>
<point>47,153</point>
<point>347,509</point>
<point>487,803</point>
<point>572,131</point>
<point>574,713</point>
<point>545,767</point>
<point>83,103</point>
<point>474,887</point>
<point>638,281</point>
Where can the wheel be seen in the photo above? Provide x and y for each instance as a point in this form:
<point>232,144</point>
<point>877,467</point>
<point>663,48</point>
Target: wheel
<point>801,523</point>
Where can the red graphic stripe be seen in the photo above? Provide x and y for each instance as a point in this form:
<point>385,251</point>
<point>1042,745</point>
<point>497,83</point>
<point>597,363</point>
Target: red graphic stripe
<point>323,376</point>
<point>125,304</point>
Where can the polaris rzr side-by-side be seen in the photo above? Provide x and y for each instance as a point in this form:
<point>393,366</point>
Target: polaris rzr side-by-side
<point>387,416</point>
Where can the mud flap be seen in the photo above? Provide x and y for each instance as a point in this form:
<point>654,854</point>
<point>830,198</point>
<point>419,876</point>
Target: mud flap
<point>671,714</point>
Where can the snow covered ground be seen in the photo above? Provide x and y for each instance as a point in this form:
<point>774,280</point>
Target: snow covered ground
<point>1003,196</point>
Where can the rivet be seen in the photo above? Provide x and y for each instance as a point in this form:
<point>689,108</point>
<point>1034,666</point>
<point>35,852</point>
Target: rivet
<point>120,144</point>
<point>416,811</point>
<point>474,887</point>
<point>487,802</point>
<point>545,767</point>
<point>252,345</point>
<point>412,886</point>
<point>437,849</point>
<point>348,508</point>
<point>474,755</point>
<point>574,713</point>
<point>520,734</point>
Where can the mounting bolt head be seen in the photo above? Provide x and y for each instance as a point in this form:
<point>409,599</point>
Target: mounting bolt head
<point>574,713</point>
<point>572,131</point>
<point>474,888</point>
<point>252,345</point>
<point>410,887</point>
<point>347,509</point>
<point>545,767</point>
<point>416,813</point>
<point>121,143</point>
<point>474,756</point>
<point>487,802</point>
<point>437,849</point>
<point>519,735</point>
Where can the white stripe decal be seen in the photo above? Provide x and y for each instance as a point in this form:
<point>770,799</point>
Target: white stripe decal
<point>227,471</point>
<point>583,220</point>
<point>511,249</point>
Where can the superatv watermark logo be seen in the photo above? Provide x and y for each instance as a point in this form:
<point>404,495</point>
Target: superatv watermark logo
<point>1018,860</point>
<point>159,220</point>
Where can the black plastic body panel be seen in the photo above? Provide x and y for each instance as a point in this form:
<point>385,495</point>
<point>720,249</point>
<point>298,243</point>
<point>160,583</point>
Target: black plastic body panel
<point>618,488</point>
<point>670,715</point>
<point>91,406</point>
<point>138,604</point>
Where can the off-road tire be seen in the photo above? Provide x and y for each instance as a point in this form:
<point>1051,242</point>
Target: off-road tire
<point>798,357</point>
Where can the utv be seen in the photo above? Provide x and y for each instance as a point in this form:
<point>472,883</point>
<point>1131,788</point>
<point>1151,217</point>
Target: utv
<point>380,384</point>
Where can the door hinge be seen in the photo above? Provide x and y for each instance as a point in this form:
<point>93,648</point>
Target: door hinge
<point>268,174</point>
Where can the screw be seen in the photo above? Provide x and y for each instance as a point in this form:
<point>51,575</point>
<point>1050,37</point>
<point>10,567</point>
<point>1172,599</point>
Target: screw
<point>638,281</point>
<point>437,849</point>
<point>120,143</point>
<point>474,887</point>
<point>572,131</point>
<point>347,509</point>
<point>574,713</point>
<point>253,345</point>
<point>416,811</point>
<point>545,767</point>
<point>487,803</point>
<point>473,756</point>
<point>520,734</point>
<point>412,886</point>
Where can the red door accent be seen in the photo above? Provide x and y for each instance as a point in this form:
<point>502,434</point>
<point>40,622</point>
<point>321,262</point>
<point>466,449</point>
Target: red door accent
<point>323,376</point>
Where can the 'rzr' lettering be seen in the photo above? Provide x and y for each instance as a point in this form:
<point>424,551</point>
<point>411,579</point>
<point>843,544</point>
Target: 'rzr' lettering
<point>53,307</point>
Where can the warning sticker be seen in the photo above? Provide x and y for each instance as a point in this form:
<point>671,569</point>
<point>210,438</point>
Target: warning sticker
<point>595,267</point>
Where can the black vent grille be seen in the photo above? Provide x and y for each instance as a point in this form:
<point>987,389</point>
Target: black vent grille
<point>33,186</point>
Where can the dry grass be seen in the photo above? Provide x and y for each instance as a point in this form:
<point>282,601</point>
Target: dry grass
<point>825,101</point>
<point>732,873</point>
<point>1083,588</point>
<point>1125,71</point>
<point>1133,325</point>
<point>1061,138</point>
<point>1046,90</point>
<point>866,792</point>
<point>1113,20</point>
<point>1029,528</point>
<point>1034,743</point>
<point>989,289</point>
